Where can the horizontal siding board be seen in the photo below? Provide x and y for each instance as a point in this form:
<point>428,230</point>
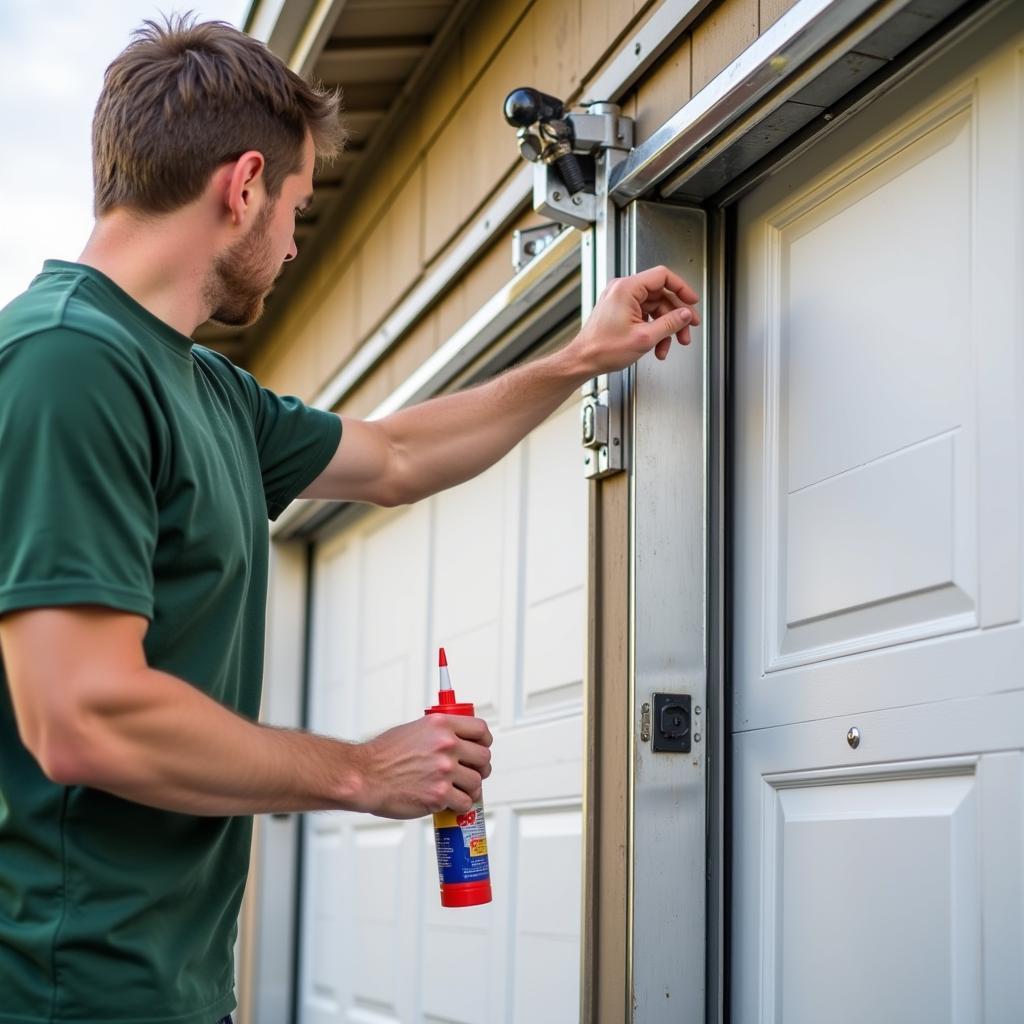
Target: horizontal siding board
<point>664,91</point>
<point>721,35</point>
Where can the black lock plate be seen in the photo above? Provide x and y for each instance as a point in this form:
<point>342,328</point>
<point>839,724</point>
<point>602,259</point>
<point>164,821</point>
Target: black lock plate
<point>670,722</point>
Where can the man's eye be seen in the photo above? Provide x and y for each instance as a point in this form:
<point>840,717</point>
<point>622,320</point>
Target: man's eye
<point>299,213</point>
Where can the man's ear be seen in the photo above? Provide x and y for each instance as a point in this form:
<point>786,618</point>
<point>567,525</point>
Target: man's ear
<point>244,186</point>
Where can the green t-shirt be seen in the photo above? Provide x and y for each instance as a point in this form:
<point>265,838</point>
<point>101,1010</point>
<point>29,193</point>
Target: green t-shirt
<point>137,471</point>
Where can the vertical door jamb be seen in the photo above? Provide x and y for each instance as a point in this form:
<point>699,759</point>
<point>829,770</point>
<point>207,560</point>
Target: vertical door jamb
<point>606,716</point>
<point>669,571</point>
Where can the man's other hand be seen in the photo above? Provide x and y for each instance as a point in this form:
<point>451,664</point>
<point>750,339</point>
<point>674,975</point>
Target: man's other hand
<point>432,764</point>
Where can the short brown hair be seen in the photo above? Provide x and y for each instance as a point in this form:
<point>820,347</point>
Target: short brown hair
<point>185,97</point>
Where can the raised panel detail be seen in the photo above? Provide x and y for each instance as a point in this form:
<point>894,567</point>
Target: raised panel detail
<point>393,592</point>
<point>473,525</point>
<point>870,432</point>
<point>874,341</point>
<point>378,978</point>
<point>547,916</point>
<point>874,909</point>
<point>554,537</point>
<point>876,546</point>
<point>325,860</point>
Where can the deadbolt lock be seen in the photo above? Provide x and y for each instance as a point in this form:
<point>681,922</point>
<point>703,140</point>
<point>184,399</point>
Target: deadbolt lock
<point>671,722</point>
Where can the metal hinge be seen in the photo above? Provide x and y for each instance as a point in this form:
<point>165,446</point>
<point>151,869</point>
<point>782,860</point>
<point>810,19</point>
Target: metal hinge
<point>601,425</point>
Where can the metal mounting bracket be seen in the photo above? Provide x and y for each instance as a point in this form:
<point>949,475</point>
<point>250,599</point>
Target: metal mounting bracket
<point>601,129</point>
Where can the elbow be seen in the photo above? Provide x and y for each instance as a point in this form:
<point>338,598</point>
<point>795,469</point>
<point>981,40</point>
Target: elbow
<point>66,757</point>
<point>393,497</point>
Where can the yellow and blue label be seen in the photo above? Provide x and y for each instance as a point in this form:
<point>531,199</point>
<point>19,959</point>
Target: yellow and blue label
<point>461,844</point>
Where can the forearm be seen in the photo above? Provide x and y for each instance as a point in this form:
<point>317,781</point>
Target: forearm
<point>175,748</point>
<point>449,440</point>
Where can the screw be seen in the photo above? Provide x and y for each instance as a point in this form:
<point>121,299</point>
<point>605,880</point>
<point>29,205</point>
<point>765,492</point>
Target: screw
<point>828,117</point>
<point>696,737</point>
<point>615,441</point>
<point>557,196</point>
<point>696,711</point>
<point>637,48</point>
<point>853,737</point>
<point>576,200</point>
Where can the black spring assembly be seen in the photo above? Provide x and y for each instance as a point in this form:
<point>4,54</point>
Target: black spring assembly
<point>545,134</point>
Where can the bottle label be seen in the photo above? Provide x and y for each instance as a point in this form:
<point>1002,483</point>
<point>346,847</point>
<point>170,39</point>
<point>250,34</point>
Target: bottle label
<point>461,844</point>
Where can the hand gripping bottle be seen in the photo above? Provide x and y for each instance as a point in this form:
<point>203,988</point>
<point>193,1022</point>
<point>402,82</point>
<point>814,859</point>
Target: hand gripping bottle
<point>460,839</point>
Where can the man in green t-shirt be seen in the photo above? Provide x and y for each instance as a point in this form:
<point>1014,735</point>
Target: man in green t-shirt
<point>138,472</point>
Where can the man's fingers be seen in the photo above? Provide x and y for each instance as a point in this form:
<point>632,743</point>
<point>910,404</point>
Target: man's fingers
<point>467,780</point>
<point>667,301</point>
<point>657,278</point>
<point>474,729</point>
<point>676,322</point>
<point>475,755</point>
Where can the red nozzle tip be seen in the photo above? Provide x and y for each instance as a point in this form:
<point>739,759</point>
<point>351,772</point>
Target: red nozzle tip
<point>442,661</point>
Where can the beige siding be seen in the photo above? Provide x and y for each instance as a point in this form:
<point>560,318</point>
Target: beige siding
<point>772,10</point>
<point>664,91</point>
<point>726,31</point>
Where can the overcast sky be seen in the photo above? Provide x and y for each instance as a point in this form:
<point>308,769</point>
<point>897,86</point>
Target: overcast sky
<point>52,59</point>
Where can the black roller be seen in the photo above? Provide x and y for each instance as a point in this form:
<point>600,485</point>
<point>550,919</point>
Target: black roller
<point>525,106</point>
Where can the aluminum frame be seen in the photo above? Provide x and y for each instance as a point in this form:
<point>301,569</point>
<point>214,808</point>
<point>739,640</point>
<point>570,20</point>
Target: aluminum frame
<point>780,55</point>
<point>669,637</point>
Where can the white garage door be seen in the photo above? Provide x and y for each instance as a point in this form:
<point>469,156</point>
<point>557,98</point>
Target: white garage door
<point>494,571</point>
<point>877,573</point>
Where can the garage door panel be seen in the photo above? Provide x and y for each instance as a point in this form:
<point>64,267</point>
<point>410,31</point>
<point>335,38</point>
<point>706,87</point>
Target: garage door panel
<point>875,875</point>
<point>555,512</point>
<point>542,760</point>
<point>878,390</point>
<point>326,869</point>
<point>883,872</point>
<point>472,526</point>
<point>384,869</point>
<point>547,915</point>
<point>863,326</point>
<point>479,670</point>
<point>846,861</point>
<point>335,627</point>
<point>456,571</point>
<point>393,588</point>
<point>553,653</point>
<point>869,406</point>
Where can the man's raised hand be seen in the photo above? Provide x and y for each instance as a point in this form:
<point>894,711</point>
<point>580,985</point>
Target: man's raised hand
<point>634,315</point>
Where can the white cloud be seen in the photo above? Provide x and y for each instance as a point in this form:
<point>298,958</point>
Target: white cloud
<point>53,57</point>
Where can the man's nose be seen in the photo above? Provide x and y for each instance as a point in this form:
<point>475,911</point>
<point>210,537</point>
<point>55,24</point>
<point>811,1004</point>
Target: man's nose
<point>293,251</point>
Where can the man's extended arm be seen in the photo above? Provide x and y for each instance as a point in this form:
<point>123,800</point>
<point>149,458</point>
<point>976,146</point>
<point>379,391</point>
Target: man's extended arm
<point>94,714</point>
<point>429,447</point>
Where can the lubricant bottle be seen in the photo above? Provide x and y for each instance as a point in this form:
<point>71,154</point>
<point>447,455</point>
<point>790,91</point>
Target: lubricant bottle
<point>460,839</point>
